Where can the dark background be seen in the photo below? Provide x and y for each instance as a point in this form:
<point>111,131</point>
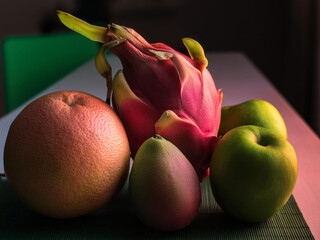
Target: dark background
<point>280,37</point>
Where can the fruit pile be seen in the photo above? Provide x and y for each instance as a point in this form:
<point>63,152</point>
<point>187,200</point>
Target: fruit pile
<point>68,153</point>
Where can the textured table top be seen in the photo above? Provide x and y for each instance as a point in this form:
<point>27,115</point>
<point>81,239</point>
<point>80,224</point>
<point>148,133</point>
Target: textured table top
<point>117,221</point>
<point>239,80</point>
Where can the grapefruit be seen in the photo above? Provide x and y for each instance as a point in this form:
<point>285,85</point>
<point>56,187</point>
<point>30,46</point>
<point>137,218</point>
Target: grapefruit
<point>66,154</point>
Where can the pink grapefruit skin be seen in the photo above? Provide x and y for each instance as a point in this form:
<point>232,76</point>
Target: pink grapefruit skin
<point>66,154</point>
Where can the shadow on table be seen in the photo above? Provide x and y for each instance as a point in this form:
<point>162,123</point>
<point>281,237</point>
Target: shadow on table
<point>118,221</point>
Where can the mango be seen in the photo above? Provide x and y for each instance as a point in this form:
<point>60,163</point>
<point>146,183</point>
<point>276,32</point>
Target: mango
<point>164,188</point>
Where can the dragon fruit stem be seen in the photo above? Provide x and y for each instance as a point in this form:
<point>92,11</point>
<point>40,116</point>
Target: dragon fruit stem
<point>103,66</point>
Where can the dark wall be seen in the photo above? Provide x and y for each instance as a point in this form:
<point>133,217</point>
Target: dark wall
<point>279,37</point>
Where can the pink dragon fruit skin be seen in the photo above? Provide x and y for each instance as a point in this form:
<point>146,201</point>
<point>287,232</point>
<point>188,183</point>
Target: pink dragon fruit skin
<point>172,98</point>
<point>161,91</point>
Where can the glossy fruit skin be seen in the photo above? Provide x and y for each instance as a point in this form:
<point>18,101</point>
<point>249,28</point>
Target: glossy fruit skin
<point>252,112</point>
<point>253,173</point>
<point>66,154</point>
<point>164,188</point>
<point>174,97</point>
<point>159,91</point>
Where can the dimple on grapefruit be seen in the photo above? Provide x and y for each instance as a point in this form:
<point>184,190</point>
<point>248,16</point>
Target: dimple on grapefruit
<point>66,154</point>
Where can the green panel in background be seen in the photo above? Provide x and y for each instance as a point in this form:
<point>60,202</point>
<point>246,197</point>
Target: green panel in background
<point>32,63</point>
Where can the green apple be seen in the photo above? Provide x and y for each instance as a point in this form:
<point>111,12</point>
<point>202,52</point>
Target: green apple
<point>253,172</point>
<point>252,112</point>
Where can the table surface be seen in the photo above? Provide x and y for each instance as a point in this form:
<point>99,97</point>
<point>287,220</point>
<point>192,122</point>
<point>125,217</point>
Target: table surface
<point>239,80</point>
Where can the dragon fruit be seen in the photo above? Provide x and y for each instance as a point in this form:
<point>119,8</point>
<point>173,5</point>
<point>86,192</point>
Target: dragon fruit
<point>159,91</point>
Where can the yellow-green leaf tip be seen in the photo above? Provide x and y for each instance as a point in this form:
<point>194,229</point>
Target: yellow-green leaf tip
<point>94,33</point>
<point>195,50</point>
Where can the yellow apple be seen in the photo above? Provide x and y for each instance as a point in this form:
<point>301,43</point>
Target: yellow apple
<point>253,112</point>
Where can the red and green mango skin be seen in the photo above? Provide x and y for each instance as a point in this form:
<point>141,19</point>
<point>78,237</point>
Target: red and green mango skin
<point>164,188</point>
